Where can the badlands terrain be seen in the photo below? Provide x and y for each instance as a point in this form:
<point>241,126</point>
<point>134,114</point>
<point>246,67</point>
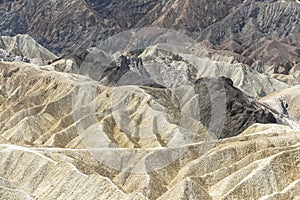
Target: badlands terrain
<point>193,99</point>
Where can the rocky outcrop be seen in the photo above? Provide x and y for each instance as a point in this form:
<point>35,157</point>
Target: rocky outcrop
<point>160,64</point>
<point>285,102</point>
<point>173,73</point>
<point>26,48</point>
<point>10,57</point>
<point>241,111</point>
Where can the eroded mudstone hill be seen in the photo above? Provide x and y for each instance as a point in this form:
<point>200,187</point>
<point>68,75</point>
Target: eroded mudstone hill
<point>150,113</point>
<point>71,126</point>
<point>46,108</point>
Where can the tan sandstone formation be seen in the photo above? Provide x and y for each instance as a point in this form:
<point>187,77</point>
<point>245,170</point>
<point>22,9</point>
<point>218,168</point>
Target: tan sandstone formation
<point>61,139</point>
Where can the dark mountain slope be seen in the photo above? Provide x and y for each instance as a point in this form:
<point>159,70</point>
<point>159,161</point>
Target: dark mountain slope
<point>265,32</point>
<point>245,30</point>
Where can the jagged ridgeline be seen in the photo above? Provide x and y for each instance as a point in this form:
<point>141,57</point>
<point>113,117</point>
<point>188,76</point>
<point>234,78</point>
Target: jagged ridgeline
<point>258,33</point>
<point>152,99</point>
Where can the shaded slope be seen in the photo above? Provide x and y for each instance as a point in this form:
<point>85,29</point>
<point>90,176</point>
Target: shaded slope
<point>262,29</point>
<point>49,107</point>
<point>244,30</point>
<point>160,137</point>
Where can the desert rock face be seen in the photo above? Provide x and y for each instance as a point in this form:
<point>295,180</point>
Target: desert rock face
<point>194,99</point>
<point>26,47</point>
<point>49,107</point>
<point>285,101</point>
<point>55,121</point>
<point>160,67</point>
